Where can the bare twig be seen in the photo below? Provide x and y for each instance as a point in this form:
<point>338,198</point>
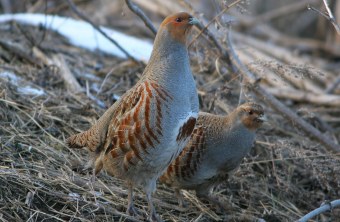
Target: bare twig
<point>329,16</point>
<point>134,8</point>
<point>96,27</point>
<point>279,12</point>
<point>204,29</point>
<point>324,207</point>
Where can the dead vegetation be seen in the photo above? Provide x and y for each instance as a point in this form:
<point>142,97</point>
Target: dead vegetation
<point>287,174</point>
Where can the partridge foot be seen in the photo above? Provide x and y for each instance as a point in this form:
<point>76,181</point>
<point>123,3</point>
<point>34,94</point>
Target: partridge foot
<point>132,211</point>
<point>221,206</point>
<point>154,218</point>
<point>180,198</point>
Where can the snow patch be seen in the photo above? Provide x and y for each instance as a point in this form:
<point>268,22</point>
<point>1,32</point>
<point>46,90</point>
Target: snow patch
<point>83,35</point>
<point>16,80</point>
<point>27,90</point>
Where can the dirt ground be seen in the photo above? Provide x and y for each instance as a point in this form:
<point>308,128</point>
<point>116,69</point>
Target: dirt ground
<point>286,175</point>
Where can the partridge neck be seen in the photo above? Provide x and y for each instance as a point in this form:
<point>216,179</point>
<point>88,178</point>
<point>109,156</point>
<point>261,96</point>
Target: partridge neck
<point>169,62</point>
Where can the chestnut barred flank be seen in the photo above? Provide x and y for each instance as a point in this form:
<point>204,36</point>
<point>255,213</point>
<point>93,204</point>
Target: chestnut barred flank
<point>134,134</point>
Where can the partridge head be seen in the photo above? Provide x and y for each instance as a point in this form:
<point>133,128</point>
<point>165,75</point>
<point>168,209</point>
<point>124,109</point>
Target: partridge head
<point>138,136</point>
<point>216,148</point>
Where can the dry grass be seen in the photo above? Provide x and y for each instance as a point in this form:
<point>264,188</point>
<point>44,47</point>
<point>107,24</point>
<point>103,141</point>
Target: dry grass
<point>285,176</point>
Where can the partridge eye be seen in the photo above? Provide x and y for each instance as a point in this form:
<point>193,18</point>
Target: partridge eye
<point>178,19</point>
<point>250,112</point>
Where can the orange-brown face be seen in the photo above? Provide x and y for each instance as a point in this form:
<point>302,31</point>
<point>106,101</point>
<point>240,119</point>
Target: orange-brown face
<point>252,115</point>
<point>178,25</point>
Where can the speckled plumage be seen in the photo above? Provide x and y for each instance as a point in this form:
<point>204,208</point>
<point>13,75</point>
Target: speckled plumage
<point>139,136</point>
<point>217,146</point>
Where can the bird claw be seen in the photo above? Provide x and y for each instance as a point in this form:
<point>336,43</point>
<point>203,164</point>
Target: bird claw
<point>220,206</point>
<point>132,211</point>
<point>183,204</point>
<point>154,218</point>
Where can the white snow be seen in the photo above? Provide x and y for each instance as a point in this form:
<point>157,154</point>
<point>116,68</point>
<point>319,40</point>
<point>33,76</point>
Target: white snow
<point>10,77</point>
<point>74,196</point>
<point>16,80</point>
<point>27,90</point>
<point>82,34</point>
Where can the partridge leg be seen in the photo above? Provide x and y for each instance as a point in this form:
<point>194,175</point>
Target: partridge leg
<point>153,216</point>
<point>180,198</point>
<point>90,165</point>
<point>131,210</point>
<point>220,205</point>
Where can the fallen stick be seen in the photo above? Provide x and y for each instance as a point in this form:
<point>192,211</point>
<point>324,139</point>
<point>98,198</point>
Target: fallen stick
<point>70,81</point>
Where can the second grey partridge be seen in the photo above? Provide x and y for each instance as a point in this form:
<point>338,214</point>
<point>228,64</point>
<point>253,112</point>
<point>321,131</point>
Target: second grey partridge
<point>147,128</point>
<point>217,146</point>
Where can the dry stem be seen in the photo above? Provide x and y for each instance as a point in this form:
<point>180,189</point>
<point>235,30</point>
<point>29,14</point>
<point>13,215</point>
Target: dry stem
<point>134,8</point>
<point>329,16</point>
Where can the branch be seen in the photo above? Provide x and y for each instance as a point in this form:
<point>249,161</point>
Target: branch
<point>324,207</point>
<point>134,8</point>
<point>329,16</point>
<point>96,27</point>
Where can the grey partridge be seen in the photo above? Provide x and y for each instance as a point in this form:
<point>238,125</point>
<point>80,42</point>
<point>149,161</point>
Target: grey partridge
<point>146,129</point>
<point>216,148</point>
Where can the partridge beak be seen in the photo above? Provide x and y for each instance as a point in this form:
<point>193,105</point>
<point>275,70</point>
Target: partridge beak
<point>193,21</point>
<point>262,118</point>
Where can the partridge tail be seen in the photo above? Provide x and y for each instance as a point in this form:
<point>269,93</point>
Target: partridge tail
<point>77,141</point>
